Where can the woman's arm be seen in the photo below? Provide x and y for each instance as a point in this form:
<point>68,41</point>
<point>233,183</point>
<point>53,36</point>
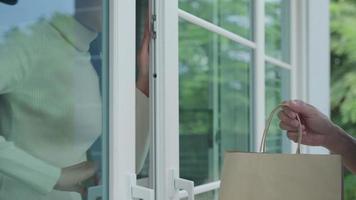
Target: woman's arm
<point>20,165</point>
<point>143,61</point>
<point>142,102</point>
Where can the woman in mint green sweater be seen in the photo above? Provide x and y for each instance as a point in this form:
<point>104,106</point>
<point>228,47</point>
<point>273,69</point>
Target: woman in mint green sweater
<point>50,106</point>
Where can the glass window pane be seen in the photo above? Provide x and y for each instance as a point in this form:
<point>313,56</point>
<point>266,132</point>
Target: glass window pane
<point>214,96</point>
<point>277,90</point>
<point>142,101</point>
<point>233,15</point>
<point>277,23</point>
<point>211,195</point>
<point>53,94</point>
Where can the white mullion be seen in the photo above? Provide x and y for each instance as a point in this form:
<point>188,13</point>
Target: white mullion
<point>166,99</point>
<point>152,94</point>
<point>301,50</point>
<point>201,189</point>
<point>278,63</point>
<point>259,74</point>
<point>214,167</point>
<point>293,47</point>
<point>215,29</point>
<point>122,97</point>
<point>216,104</point>
<point>294,84</point>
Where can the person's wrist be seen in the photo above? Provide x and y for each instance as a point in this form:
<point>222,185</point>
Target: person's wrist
<point>334,140</point>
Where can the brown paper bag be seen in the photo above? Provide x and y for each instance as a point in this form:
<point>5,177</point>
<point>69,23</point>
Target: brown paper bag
<point>257,176</point>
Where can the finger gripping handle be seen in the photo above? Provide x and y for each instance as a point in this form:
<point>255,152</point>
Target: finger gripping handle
<point>268,123</point>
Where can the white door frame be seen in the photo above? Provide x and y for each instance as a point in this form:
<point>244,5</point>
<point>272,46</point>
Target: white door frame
<point>166,99</point>
<point>305,53</point>
<point>122,60</point>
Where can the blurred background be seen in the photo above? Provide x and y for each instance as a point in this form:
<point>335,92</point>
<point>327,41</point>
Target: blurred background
<point>343,74</point>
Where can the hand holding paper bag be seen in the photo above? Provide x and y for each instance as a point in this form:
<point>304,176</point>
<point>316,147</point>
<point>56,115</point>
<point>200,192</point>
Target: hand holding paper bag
<point>318,130</point>
<point>255,176</point>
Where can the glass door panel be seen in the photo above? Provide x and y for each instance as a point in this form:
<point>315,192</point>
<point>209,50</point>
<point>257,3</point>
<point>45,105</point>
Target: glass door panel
<point>143,38</point>
<point>54,100</point>
<point>211,195</point>
<point>277,91</point>
<point>214,101</point>
<point>277,25</point>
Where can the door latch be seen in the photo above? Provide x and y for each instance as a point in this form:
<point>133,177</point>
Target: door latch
<point>183,184</point>
<point>139,192</point>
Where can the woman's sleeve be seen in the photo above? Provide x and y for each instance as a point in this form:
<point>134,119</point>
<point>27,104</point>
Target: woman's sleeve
<point>15,58</point>
<point>19,165</point>
<point>142,129</point>
<point>14,162</point>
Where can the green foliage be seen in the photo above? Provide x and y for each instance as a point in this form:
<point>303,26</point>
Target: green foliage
<point>343,74</point>
<point>343,64</point>
<point>233,15</point>
<point>214,83</point>
<point>350,187</point>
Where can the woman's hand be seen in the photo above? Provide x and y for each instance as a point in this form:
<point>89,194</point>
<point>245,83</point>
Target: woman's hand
<point>72,177</point>
<point>143,60</point>
<point>318,130</point>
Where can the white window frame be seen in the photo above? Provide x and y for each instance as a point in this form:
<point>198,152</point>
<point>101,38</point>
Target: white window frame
<point>165,100</point>
<point>166,87</point>
<point>122,59</point>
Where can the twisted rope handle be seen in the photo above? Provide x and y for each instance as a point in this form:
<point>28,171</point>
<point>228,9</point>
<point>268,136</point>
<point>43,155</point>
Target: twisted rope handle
<point>268,123</point>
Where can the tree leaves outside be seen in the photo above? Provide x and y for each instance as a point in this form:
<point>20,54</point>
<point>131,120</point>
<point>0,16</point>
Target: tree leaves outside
<point>343,74</point>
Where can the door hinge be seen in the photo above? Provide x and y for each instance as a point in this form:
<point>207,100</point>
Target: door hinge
<point>154,26</point>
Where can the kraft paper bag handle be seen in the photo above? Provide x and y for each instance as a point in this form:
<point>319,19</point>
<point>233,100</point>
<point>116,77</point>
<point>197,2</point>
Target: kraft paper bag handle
<point>268,123</point>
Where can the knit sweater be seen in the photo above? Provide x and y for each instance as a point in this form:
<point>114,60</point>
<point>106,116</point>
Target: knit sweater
<point>50,107</point>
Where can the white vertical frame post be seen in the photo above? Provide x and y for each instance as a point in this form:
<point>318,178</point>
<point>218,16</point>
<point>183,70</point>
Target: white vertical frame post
<point>295,84</point>
<point>152,52</point>
<point>300,73</point>
<point>122,97</point>
<point>293,48</point>
<point>215,152</point>
<point>301,54</point>
<point>166,99</point>
<point>318,58</point>
<point>259,73</point>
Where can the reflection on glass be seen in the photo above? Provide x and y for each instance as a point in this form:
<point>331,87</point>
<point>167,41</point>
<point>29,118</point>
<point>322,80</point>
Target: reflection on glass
<point>233,15</point>
<point>277,23</point>
<point>53,82</point>
<point>214,75</point>
<point>277,90</point>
